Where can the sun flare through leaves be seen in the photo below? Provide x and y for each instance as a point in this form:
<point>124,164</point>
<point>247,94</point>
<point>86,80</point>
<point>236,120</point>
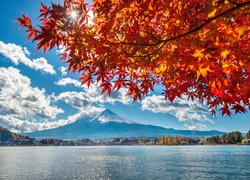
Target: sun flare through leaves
<point>197,48</point>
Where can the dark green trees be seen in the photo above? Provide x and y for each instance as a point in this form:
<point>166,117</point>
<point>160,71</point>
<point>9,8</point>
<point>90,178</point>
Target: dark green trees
<point>235,137</point>
<point>248,135</point>
<point>230,138</point>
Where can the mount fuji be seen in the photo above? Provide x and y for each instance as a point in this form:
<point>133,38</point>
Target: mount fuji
<point>107,124</point>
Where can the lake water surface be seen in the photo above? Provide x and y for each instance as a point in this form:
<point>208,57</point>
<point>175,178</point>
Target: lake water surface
<point>125,162</point>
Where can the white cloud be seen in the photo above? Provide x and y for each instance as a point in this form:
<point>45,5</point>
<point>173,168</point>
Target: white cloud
<point>26,51</point>
<point>24,108</point>
<point>67,81</point>
<point>18,98</point>
<point>18,125</point>
<point>196,126</point>
<point>94,92</point>
<point>17,55</point>
<point>61,49</point>
<point>187,111</point>
<point>116,96</point>
<point>63,70</point>
<point>75,99</point>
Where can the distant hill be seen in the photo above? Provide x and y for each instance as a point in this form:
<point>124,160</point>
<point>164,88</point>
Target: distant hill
<point>8,136</point>
<point>107,124</point>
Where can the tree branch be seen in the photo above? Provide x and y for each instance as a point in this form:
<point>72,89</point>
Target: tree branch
<point>235,3</point>
<point>198,28</point>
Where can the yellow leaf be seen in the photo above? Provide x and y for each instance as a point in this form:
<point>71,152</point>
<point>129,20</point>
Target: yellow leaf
<point>198,53</point>
<point>225,65</point>
<point>217,41</point>
<point>177,22</point>
<point>191,66</point>
<point>166,13</point>
<point>213,85</point>
<point>203,72</point>
<point>228,67</point>
<point>142,34</point>
<point>208,56</point>
<point>212,13</point>
<point>172,47</point>
<point>160,69</point>
<point>150,7</point>
<point>241,63</point>
<point>240,30</point>
<point>198,74</point>
<point>224,53</point>
<point>166,26</point>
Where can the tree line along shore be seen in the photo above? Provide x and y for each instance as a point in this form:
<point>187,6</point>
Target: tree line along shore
<point>7,138</point>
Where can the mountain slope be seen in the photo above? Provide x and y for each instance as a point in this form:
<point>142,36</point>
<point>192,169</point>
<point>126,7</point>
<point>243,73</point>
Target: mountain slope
<point>108,125</point>
<point>8,136</point>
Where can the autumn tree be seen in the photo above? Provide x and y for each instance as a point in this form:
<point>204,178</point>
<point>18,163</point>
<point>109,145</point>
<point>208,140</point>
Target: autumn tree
<point>197,48</point>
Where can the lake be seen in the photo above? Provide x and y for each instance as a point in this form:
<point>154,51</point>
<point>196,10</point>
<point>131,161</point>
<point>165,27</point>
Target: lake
<point>125,162</point>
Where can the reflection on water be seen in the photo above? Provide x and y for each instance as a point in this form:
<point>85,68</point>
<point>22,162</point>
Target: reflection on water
<point>125,162</point>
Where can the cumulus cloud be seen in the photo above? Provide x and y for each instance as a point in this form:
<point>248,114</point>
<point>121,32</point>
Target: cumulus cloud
<point>67,81</point>
<point>18,98</point>
<point>81,100</point>
<point>116,96</point>
<point>95,93</point>
<point>186,111</point>
<point>18,125</point>
<point>63,70</point>
<point>24,108</point>
<point>75,99</point>
<point>17,54</point>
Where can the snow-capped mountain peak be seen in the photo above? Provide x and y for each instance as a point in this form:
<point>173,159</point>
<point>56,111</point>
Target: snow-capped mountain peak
<point>109,116</point>
<point>109,125</point>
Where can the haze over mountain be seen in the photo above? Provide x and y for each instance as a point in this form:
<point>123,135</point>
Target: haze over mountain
<point>107,124</point>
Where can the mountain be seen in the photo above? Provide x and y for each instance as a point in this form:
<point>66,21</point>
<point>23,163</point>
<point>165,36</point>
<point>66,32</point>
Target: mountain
<point>107,124</point>
<point>109,116</point>
<point>8,136</point>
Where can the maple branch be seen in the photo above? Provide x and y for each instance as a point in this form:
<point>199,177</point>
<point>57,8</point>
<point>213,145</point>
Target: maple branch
<point>198,28</point>
<point>150,54</point>
<point>237,6</point>
<point>235,3</point>
<point>208,21</point>
<point>203,20</point>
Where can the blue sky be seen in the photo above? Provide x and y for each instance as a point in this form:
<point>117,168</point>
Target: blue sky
<point>36,92</point>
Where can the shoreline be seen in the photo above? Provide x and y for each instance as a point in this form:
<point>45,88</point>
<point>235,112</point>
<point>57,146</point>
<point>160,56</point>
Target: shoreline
<point>127,145</point>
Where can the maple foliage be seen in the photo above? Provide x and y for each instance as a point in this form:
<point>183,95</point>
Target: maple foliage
<point>197,48</point>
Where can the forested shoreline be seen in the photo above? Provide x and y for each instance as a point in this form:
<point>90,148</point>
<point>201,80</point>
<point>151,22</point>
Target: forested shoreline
<point>7,138</point>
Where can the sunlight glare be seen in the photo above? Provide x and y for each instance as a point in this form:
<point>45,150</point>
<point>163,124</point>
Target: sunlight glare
<point>73,14</point>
